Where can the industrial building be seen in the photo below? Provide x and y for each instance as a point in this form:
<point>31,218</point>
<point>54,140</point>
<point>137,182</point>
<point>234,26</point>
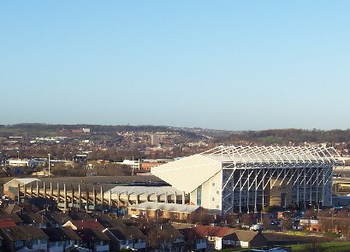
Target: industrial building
<point>229,179</point>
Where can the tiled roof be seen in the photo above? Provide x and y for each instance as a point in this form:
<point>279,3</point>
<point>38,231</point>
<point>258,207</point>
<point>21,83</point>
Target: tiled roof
<point>13,217</point>
<point>127,233</point>
<point>169,232</point>
<point>7,223</point>
<point>11,209</point>
<point>92,234</point>
<point>84,224</point>
<point>61,234</point>
<point>57,218</point>
<point>24,233</point>
<point>110,221</point>
<point>206,231</point>
<point>245,235</point>
<point>30,218</point>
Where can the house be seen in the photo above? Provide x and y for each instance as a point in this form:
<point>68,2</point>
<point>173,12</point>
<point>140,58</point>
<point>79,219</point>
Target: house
<point>248,239</point>
<point>29,238</point>
<point>224,237</point>
<point>32,219</point>
<point>165,238</point>
<point>110,221</point>
<point>90,232</point>
<point>126,237</point>
<point>311,224</point>
<point>61,239</point>
<point>215,235</point>
<point>14,217</point>
<point>56,219</point>
<point>194,240</point>
<point>94,239</point>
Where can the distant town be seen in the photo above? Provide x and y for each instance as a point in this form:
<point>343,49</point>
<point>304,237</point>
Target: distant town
<point>162,188</point>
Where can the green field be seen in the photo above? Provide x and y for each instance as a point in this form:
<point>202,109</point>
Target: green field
<point>322,247</point>
<point>316,247</point>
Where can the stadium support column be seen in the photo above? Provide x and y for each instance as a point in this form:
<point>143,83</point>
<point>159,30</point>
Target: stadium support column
<point>304,188</point>
<point>18,193</point>
<point>183,198</point>
<point>79,196</point>
<point>37,189</point>
<point>127,198</point>
<point>94,197</point>
<point>58,193</point>
<point>110,199</point>
<point>44,188</point>
<point>64,197</point>
<point>24,190</point>
<point>248,194</point>
<point>51,190</point>
<point>256,191</point>
<point>118,199</point>
<point>240,193</point>
<point>73,196</point>
<point>31,190</point>
<point>137,198</point>
<point>263,195</point>
<point>102,197</point>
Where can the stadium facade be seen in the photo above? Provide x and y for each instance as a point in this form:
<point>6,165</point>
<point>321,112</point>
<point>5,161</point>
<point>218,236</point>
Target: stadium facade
<point>229,179</point>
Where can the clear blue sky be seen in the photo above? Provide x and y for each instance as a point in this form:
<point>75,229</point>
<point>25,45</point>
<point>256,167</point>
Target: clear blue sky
<point>234,65</point>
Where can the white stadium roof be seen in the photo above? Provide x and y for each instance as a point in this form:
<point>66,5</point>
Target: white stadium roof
<point>190,172</point>
<point>137,190</point>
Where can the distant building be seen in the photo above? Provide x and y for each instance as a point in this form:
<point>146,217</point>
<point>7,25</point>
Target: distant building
<point>86,130</point>
<point>147,164</point>
<point>133,164</point>
<point>80,158</point>
<point>18,162</point>
<point>11,187</point>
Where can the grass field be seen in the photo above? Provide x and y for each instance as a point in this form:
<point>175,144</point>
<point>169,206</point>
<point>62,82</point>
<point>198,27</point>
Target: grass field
<point>322,247</point>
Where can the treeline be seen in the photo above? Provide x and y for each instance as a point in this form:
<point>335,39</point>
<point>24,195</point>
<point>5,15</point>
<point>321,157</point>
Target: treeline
<point>40,129</point>
<point>288,136</point>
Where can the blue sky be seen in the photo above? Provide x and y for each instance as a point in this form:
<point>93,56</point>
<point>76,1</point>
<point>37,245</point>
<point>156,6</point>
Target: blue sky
<point>234,65</point>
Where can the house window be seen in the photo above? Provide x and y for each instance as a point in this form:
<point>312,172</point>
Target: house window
<point>18,244</point>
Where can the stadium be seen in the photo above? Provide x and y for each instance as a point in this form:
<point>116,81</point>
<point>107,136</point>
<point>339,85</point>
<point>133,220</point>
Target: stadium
<point>229,179</point>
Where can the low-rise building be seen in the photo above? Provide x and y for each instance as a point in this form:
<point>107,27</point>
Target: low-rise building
<point>28,238</point>
<point>127,237</point>
<point>61,239</point>
<point>180,212</point>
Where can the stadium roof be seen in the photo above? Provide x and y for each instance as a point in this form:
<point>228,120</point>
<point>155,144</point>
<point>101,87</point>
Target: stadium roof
<point>188,173</point>
<point>157,190</point>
